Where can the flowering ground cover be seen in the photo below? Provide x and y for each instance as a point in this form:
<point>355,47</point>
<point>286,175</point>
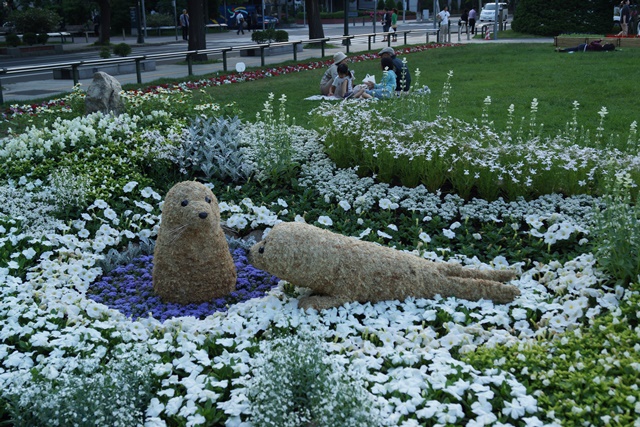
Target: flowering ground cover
<point>81,203</point>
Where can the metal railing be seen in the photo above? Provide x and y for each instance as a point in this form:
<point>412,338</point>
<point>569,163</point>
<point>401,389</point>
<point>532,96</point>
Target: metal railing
<point>191,54</point>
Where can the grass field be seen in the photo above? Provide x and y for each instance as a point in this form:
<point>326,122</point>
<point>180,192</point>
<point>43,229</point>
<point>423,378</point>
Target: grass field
<point>510,73</point>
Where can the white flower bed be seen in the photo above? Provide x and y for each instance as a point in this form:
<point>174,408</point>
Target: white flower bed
<point>406,352</point>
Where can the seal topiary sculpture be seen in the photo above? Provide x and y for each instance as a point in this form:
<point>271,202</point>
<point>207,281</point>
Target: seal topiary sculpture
<point>341,269</point>
<point>192,262</point>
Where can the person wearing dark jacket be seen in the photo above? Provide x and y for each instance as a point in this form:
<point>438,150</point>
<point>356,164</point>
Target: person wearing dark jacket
<point>594,46</point>
<point>403,82</point>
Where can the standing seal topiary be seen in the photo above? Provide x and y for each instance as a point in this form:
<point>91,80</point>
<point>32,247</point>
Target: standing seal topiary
<point>341,269</point>
<point>192,262</point>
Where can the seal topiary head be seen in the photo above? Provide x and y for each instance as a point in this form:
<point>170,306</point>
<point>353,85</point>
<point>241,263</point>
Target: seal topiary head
<point>190,205</point>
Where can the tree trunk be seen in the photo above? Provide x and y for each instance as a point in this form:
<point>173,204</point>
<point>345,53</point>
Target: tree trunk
<point>197,35</point>
<point>105,22</point>
<point>313,17</point>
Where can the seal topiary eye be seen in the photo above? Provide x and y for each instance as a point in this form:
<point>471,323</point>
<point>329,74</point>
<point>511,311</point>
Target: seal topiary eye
<point>184,203</point>
<point>207,199</point>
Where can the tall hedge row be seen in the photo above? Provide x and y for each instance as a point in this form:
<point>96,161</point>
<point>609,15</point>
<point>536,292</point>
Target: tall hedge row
<point>550,18</point>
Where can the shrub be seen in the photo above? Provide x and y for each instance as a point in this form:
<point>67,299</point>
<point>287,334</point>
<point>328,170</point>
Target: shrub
<point>281,36</point>
<point>271,144</point>
<point>13,40</point>
<point>617,232</point>
<point>160,20</point>
<point>295,385</point>
<point>122,49</point>
<point>213,147</point>
<point>42,38</point>
<point>105,52</point>
<point>546,18</point>
<point>270,35</point>
<point>35,20</point>
<point>30,39</point>
<point>115,394</point>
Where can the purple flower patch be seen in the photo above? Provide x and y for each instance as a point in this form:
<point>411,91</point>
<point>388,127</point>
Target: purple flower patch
<point>129,289</point>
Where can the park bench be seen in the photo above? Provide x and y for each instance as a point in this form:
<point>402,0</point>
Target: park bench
<point>219,27</point>
<point>78,30</point>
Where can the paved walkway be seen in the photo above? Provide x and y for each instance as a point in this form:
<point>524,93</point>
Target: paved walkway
<point>46,87</point>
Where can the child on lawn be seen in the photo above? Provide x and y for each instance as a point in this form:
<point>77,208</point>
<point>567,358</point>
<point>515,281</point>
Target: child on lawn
<point>342,86</point>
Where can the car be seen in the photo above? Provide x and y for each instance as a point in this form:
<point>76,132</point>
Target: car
<point>8,28</point>
<point>488,12</point>
<point>269,21</point>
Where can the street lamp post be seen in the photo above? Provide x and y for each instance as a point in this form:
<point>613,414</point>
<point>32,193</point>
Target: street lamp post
<point>175,17</point>
<point>346,22</point>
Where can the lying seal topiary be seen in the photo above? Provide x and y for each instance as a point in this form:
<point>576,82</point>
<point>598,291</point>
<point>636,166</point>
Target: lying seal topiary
<point>341,269</point>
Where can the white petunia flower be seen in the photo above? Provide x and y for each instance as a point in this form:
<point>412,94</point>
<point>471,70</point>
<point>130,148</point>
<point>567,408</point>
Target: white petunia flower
<point>325,220</point>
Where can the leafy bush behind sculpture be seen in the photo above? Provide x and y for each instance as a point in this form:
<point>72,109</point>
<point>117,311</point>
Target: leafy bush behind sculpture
<point>213,147</point>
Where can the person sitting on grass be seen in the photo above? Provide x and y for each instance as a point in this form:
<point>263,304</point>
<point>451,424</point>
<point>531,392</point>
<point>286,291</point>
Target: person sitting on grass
<point>387,86</point>
<point>342,86</point>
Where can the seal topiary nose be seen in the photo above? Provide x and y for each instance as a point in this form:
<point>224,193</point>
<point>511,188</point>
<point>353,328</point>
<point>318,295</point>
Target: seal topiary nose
<point>203,215</point>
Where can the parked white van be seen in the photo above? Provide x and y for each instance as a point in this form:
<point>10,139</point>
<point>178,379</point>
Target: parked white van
<point>488,12</point>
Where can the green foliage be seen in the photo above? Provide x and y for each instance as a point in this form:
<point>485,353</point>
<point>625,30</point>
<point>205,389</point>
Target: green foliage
<point>380,5</point>
<point>390,4</point>
<point>273,152</point>
<point>213,147</point>
<point>12,40</point>
<point>35,20</point>
<point>42,38</point>
<point>617,231</point>
<point>469,159</point>
<point>113,259</point>
<point>30,39</point>
<point>160,20</point>
<point>270,35</point>
<point>546,18</point>
<point>586,377</point>
<point>122,49</point>
<point>105,52</point>
<point>75,12</point>
<point>294,384</point>
<point>116,393</point>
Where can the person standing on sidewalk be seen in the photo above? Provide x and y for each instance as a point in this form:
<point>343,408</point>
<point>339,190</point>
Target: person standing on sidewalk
<point>443,17</point>
<point>394,24</point>
<point>184,23</point>
<point>625,17</point>
<point>386,23</point>
<point>472,20</point>
<point>240,22</point>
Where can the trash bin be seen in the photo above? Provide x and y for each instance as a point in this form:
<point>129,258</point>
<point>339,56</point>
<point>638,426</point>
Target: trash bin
<point>425,15</point>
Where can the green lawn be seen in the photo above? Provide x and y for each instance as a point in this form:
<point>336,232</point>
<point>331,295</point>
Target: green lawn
<point>510,73</point>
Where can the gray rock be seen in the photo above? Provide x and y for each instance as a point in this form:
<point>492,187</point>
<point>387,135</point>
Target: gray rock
<point>103,95</point>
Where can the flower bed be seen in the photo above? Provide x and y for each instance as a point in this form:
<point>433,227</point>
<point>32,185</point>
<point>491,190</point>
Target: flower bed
<point>79,193</point>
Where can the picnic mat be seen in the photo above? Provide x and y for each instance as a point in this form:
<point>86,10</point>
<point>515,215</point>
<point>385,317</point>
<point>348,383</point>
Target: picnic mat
<point>323,98</point>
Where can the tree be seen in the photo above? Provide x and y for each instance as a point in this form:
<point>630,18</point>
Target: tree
<point>197,36</point>
<point>313,17</point>
<point>105,22</point>
<point>545,18</point>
